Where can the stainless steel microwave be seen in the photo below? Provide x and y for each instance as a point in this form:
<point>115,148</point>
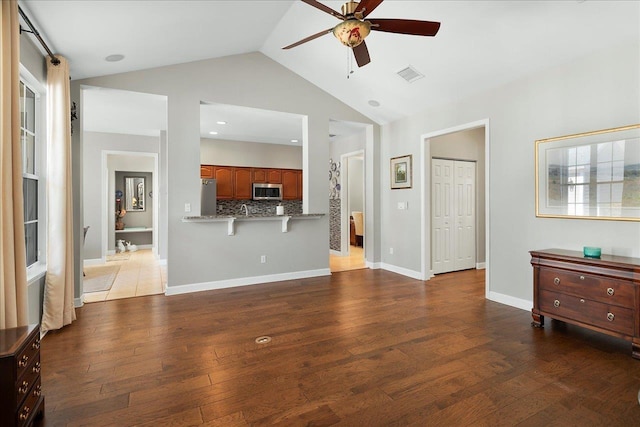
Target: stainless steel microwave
<point>262,191</point>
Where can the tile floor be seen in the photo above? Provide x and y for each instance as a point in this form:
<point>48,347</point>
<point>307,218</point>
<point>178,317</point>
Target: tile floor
<point>139,275</point>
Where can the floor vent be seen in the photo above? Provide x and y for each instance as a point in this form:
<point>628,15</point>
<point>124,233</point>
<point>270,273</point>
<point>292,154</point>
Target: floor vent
<point>410,74</point>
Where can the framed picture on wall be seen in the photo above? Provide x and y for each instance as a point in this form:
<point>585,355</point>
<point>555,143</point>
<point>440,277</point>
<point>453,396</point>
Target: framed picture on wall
<point>401,172</point>
<point>591,175</point>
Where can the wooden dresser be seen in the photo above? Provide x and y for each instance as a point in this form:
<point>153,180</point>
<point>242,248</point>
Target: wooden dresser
<point>22,400</point>
<point>602,294</point>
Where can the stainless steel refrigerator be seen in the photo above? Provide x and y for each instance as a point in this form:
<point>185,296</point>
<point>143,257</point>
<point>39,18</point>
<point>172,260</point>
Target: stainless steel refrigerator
<point>207,197</point>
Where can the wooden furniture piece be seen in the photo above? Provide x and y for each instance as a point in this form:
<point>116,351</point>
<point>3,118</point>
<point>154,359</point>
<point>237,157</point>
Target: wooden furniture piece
<point>358,221</point>
<point>352,232</point>
<point>235,182</point>
<point>601,294</point>
<point>22,400</point>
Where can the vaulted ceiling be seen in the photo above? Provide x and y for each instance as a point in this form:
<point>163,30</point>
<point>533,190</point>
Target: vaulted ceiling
<point>480,45</point>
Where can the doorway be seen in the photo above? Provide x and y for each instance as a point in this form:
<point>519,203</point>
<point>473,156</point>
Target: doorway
<point>468,142</point>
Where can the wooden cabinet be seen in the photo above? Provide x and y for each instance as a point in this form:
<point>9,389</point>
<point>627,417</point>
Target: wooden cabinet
<point>237,182</point>
<point>601,294</point>
<point>206,171</point>
<point>291,184</point>
<point>224,176</point>
<point>267,175</point>
<point>22,400</point>
<point>242,184</point>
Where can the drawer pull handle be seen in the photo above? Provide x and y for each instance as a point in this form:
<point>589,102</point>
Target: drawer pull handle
<point>556,281</point>
<point>610,291</point>
<point>610,317</point>
<point>23,362</point>
<point>35,345</point>
<point>37,391</point>
<point>581,277</point>
<point>36,368</point>
<point>24,388</point>
<point>24,414</point>
<point>556,303</point>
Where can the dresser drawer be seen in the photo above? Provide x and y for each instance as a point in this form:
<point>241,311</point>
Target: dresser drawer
<point>28,379</point>
<point>28,353</point>
<point>26,410</point>
<point>602,289</point>
<point>606,316</point>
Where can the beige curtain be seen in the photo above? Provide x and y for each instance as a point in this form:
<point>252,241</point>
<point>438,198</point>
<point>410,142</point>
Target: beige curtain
<point>58,309</point>
<point>13,264</point>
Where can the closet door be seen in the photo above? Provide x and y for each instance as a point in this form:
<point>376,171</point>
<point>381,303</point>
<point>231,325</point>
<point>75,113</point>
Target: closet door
<point>453,219</point>
<point>465,208</point>
<point>442,218</point>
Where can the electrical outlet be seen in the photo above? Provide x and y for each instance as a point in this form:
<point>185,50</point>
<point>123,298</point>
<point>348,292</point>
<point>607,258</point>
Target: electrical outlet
<point>187,207</point>
<point>263,259</point>
<point>391,251</point>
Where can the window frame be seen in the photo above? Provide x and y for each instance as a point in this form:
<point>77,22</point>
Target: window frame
<point>38,269</point>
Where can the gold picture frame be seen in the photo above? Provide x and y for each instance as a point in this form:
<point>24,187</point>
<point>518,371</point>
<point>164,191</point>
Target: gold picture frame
<point>591,175</point>
<point>401,172</point>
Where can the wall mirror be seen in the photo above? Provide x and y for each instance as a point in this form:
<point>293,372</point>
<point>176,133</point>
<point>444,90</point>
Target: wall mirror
<point>593,175</point>
<point>134,194</point>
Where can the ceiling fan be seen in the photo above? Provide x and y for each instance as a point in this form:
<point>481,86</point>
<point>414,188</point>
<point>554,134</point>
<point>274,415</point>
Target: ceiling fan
<point>354,29</point>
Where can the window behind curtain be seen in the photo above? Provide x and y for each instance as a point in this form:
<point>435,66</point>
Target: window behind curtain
<point>29,171</point>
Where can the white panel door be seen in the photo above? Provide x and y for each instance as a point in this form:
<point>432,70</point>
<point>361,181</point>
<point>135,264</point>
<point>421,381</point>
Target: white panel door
<point>465,208</point>
<point>442,215</point>
<point>453,236</point>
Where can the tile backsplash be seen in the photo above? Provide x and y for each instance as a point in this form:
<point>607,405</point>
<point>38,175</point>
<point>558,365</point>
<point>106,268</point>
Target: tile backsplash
<point>258,207</point>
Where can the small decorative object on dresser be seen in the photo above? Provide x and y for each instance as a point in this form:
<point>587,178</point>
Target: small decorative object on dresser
<point>602,294</point>
<point>22,400</point>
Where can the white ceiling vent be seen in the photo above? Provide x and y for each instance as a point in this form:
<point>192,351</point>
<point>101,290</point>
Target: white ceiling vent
<point>410,74</point>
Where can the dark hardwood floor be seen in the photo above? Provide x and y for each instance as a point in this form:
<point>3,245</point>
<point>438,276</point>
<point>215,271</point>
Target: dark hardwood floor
<point>359,348</point>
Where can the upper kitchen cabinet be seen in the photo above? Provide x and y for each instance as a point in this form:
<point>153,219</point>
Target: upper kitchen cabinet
<point>291,184</point>
<point>224,176</point>
<point>206,171</point>
<point>242,183</point>
<point>269,176</point>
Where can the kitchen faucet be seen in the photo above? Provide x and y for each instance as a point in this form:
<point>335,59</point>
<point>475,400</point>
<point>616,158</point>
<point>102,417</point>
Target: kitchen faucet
<point>246,210</point>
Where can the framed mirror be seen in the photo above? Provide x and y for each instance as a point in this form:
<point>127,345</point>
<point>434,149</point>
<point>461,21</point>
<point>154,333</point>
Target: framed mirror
<point>592,175</point>
<point>134,194</point>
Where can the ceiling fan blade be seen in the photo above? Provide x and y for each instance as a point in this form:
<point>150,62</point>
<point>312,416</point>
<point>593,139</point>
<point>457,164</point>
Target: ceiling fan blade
<point>405,26</point>
<point>367,6</point>
<point>308,39</point>
<point>324,8</point>
<point>362,54</point>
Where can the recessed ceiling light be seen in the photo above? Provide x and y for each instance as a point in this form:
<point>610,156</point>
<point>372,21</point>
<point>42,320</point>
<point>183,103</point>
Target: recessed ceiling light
<point>114,58</point>
<point>213,132</point>
<point>221,122</point>
<point>374,103</point>
<point>294,140</point>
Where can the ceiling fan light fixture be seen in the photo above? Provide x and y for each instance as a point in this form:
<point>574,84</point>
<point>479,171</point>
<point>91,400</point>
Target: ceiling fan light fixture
<point>352,32</point>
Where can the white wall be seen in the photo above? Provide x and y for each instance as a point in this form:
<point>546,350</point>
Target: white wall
<point>204,253</point>
<point>250,154</point>
<point>594,92</point>
<point>356,184</point>
<point>94,144</point>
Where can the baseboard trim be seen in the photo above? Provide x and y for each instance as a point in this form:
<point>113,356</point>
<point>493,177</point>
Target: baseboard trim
<point>78,302</point>
<point>336,253</point>
<point>401,270</point>
<point>162,261</point>
<point>111,252</point>
<point>511,301</point>
<point>245,281</point>
<point>481,265</point>
<point>373,265</point>
<point>93,261</point>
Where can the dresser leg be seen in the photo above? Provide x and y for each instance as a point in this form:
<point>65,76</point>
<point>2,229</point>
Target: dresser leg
<point>538,320</point>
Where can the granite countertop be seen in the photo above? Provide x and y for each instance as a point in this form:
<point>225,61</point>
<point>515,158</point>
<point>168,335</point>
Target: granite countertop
<point>250,216</point>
